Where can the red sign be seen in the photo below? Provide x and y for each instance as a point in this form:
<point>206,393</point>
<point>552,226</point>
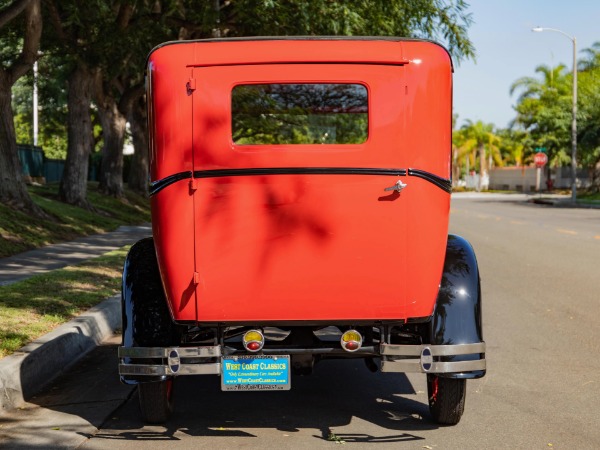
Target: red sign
<point>540,159</point>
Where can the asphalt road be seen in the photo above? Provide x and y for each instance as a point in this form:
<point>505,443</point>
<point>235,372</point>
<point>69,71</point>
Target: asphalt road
<point>541,286</point>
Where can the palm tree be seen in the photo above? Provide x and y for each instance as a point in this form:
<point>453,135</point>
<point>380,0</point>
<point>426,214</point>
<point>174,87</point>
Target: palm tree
<point>513,145</point>
<point>478,138</point>
<point>553,79</point>
<point>589,113</point>
<point>592,61</point>
<point>544,110</point>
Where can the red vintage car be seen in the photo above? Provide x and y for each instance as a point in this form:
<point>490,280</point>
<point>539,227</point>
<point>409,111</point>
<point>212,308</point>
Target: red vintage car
<point>300,192</point>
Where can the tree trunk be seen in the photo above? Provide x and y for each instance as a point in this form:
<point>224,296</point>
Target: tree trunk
<point>12,10</point>
<point>73,186</point>
<point>468,165</point>
<point>455,173</point>
<point>481,166</point>
<point>138,174</point>
<point>13,191</point>
<point>113,131</point>
<point>12,187</point>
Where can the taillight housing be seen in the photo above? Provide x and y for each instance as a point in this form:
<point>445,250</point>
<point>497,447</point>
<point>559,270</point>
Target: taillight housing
<point>253,340</point>
<point>351,340</point>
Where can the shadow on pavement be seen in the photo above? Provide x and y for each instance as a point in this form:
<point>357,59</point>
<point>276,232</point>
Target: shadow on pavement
<point>341,402</point>
<point>336,394</point>
<point>77,403</point>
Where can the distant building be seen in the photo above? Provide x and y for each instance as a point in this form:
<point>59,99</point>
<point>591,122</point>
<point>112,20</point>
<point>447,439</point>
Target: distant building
<point>523,179</point>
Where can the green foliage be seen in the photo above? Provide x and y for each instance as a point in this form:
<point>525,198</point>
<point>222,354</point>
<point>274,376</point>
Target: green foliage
<point>115,36</point>
<point>513,146</point>
<point>52,109</point>
<point>11,39</point>
<point>23,129</point>
<point>474,143</point>
<point>589,110</point>
<point>544,110</point>
<point>590,197</point>
<point>445,21</point>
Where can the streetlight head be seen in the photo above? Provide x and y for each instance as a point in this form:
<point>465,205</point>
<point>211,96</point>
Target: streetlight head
<point>537,29</point>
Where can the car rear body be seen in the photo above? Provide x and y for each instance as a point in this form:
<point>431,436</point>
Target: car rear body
<point>267,232</point>
<point>300,193</point>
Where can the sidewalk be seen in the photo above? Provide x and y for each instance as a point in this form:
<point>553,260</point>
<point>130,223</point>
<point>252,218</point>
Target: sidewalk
<point>543,198</point>
<point>28,371</point>
<point>24,265</point>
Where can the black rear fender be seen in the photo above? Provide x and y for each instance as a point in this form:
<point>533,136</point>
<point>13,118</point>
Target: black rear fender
<point>147,321</point>
<point>457,314</point>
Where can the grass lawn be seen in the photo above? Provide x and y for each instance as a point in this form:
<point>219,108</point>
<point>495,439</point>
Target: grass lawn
<point>37,305</point>
<point>19,233</point>
<point>33,307</point>
<point>589,197</point>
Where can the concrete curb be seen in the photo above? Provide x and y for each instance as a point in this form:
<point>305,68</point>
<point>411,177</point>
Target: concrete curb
<point>562,203</point>
<point>26,372</point>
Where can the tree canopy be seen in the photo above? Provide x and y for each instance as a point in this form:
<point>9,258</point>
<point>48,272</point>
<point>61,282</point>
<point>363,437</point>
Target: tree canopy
<point>543,119</point>
<point>544,111</point>
<point>93,55</point>
<point>91,65</point>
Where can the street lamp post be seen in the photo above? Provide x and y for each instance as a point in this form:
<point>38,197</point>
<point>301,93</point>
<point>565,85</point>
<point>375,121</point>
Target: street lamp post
<point>574,119</point>
<point>35,103</point>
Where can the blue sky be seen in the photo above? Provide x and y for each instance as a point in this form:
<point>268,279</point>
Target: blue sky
<point>507,49</point>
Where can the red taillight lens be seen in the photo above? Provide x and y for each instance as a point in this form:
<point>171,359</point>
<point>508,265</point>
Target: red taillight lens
<point>352,346</point>
<point>253,346</point>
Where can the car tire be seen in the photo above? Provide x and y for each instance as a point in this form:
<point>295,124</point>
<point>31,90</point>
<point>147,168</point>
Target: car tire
<point>446,399</point>
<point>151,320</point>
<point>156,401</point>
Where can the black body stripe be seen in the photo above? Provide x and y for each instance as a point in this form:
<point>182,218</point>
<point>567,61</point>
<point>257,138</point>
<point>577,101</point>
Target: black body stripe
<point>311,63</point>
<point>298,171</point>
<point>442,183</point>
<point>159,185</point>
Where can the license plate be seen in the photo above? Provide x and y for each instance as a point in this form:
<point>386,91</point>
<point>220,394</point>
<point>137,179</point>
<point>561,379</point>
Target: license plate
<point>255,373</point>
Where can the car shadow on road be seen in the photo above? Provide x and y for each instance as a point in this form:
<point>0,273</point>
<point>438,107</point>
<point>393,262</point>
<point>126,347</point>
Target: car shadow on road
<point>336,394</point>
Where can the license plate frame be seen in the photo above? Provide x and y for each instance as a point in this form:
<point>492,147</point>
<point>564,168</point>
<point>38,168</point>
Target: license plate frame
<point>255,373</point>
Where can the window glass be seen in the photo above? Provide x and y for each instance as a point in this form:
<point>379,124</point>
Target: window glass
<point>299,114</point>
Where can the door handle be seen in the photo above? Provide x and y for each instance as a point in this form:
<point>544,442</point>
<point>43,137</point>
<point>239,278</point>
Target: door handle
<point>396,187</point>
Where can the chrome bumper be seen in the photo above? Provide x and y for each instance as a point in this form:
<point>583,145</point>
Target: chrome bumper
<point>206,360</point>
<point>173,365</point>
<point>425,358</point>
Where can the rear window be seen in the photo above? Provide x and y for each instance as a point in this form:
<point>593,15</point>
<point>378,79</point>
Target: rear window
<point>299,114</point>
